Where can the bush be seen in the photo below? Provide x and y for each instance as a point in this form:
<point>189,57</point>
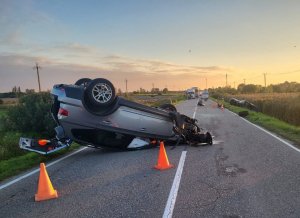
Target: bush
<point>1,101</point>
<point>9,145</point>
<point>32,114</point>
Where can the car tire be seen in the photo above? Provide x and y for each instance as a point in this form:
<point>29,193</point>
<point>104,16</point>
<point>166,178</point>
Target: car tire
<point>100,93</point>
<point>83,82</point>
<point>168,107</point>
<point>209,139</point>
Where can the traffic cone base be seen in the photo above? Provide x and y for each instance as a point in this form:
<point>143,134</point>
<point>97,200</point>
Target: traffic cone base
<point>47,197</point>
<point>159,167</point>
<point>45,188</point>
<point>163,162</point>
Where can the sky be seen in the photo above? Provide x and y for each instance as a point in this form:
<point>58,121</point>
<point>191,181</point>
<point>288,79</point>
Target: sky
<point>174,44</point>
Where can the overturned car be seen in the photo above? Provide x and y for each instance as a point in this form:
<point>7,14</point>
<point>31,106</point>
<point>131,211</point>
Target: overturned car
<point>91,114</point>
<point>243,103</point>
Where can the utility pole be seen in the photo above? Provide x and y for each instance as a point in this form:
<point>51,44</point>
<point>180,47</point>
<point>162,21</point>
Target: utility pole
<point>265,78</point>
<point>205,83</point>
<point>226,79</point>
<point>244,81</point>
<point>126,85</point>
<point>234,84</point>
<point>37,67</point>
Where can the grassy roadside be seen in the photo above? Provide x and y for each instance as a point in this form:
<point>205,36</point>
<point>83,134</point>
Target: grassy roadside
<point>272,124</point>
<point>15,165</point>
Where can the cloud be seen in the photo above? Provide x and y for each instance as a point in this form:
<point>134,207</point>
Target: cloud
<point>18,70</point>
<point>74,48</point>
<point>159,67</point>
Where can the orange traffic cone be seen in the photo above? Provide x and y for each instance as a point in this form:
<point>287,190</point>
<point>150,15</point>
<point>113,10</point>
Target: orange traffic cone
<point>45,188</point>
<point>163,162</point>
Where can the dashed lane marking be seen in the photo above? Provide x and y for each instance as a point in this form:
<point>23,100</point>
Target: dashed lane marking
<point>175,187</point>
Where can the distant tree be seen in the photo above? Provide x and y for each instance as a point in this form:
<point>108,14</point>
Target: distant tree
<point>14,89</point>
<point>249,88</point>
<point>142,90</point>
<point>240,87</point>
<point>119,91</point>
<point>155,90</point>
<point>29,91</point>
<point>165,90</point>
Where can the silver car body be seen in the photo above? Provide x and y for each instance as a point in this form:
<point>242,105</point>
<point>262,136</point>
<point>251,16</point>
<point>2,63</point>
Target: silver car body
<point>125,117</point>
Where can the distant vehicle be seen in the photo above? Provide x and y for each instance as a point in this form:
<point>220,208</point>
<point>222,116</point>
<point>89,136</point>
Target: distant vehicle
<point>91,114</point>
<point>243,103</point>
<point>200,102</point>
<point>190,93</point>
<point>196,91</point>
<point>205,95</point>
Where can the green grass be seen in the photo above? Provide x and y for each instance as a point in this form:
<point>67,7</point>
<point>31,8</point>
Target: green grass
<point>275,125</point>
<point>14,166</point>
<point>3,111</point>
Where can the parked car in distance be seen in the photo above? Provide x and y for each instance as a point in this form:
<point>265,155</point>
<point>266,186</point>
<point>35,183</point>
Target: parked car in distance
<point>205,95</point>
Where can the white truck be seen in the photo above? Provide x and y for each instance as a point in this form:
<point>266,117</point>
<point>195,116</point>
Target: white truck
<point>192,93</point>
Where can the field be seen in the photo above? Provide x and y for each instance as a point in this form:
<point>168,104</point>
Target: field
<point>6,103</point>
<point>156,100</point>
<point>10,101</point>
<point>284,106</point>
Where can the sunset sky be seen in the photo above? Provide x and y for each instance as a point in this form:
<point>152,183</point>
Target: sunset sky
<point>163,43</point>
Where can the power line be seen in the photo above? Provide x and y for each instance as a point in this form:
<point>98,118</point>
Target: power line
<point>37,67</point>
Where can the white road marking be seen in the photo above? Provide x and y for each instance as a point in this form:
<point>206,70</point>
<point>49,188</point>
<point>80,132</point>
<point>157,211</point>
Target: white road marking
<point>174,190</point>
<point>195,112</point>
<point>37,170</point>
<point>269,133</point>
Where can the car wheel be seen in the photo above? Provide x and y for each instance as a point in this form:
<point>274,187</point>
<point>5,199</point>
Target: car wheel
<point>209,138</point>
<point>168,107</point>
<point>100,93</point>
<point>83,82</point>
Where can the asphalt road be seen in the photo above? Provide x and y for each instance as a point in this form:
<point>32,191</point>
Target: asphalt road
<point>246,173</point>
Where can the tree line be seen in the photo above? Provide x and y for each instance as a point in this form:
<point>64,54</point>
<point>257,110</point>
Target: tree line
<point>16,92</point>
<point>285,87</point>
